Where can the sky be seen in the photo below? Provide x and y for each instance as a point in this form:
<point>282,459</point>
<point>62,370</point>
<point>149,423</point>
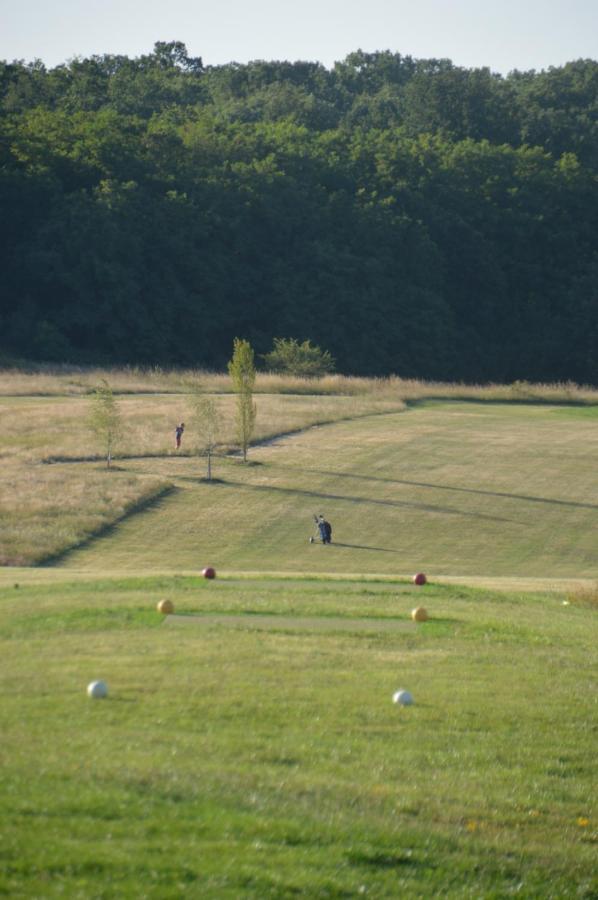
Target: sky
<point>501,34</point>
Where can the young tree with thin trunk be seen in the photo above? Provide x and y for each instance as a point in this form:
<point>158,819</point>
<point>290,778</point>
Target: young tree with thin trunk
<point>105,419</point>
<point>205,418</point>
<point>241,369</point>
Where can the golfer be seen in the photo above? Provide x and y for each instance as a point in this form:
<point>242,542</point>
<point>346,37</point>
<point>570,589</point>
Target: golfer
<point>325,529</point>
<point>321,529</point>
<point>178,434</point>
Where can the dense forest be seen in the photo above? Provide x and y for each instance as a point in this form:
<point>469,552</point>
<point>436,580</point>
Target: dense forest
<point>410,216</point>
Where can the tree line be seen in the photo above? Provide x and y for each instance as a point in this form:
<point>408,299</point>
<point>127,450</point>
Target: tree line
<point>410,216</point>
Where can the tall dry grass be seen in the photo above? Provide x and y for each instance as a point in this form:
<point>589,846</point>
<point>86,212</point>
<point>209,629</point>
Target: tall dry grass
<point>46,511</point>
<point>74,381</point>
<point>57,428</point>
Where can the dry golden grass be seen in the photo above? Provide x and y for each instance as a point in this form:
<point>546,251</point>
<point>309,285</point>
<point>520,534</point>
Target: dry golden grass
<point>71,380</point>
<point>56,428</point>
<point>584,595</point>
<point>45,509</point>
<point>48,510</point>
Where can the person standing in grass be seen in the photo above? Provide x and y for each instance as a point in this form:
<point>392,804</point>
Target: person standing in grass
<point>321,527</point>
<point>325,529</point>
<point>178,433</point>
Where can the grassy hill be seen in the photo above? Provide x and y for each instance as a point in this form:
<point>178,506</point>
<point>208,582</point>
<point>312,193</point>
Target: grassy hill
<point>453,488</point>
<point>249,746</point>
<point>466,485</point>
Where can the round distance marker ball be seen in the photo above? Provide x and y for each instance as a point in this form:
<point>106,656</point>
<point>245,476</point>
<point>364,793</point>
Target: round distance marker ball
<point>209,572</point>
<point>166,607</point>
<point>97,689</point>
<point>402,698</point>
<point>419,614</point>
<point>420,578</point>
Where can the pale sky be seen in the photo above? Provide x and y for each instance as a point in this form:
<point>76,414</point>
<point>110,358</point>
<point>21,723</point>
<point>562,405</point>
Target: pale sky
<point>501,34</point>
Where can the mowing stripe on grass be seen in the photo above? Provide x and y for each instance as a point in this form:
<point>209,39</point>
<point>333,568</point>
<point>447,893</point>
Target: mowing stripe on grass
<point>294,623</point>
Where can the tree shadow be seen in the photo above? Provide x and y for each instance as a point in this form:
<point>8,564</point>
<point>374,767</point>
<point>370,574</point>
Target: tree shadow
<point>370,501</point>
<point>146,503</point>
<point>364,547</point>
<point>445,487</point>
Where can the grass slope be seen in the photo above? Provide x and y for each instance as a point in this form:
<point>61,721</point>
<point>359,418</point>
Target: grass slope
<point>44,509</point>
<point>231,762</point>
<point>452,488</point>
<point>258,754</point>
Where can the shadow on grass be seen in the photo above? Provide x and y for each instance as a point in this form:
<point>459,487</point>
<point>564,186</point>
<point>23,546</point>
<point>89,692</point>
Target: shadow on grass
<point>445,487</point>
<point>396,504</point>
<point>534,400</point>
<point>122,457</point>
<point>381,860</point>
<point>144,504</point>
<point>363,547</point>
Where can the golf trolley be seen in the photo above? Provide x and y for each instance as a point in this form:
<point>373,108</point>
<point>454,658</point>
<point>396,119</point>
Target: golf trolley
<point>324,531</point>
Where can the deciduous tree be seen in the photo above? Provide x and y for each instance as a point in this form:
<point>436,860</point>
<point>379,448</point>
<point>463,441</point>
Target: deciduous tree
<point>105,419</point>
<point>205,422</point>
<point>241,369</point>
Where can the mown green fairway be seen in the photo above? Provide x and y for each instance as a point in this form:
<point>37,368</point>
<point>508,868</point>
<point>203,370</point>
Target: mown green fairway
<point>252,749</point>
<point>268,762</point>
<point>451,488</point>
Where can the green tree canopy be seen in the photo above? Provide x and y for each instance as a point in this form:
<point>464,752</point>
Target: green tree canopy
<point>293,358</point>
<point>409,215</point>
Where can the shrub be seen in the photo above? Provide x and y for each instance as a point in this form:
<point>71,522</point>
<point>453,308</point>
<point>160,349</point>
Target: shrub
<point>293,358</point>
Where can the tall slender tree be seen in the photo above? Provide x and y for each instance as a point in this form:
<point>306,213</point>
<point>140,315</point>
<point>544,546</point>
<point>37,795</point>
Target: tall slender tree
<point>241,369</point>
<point>205,417</point>
<point>105,419</point>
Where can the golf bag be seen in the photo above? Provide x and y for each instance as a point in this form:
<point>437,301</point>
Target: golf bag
<point>324,529</point>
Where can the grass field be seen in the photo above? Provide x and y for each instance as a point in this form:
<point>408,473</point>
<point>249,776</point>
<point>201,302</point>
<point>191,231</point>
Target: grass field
<point>252,761</point>
<point>424,465</point>
<point>47,507</point>
<point>249,746</point>
<point>453,488</point>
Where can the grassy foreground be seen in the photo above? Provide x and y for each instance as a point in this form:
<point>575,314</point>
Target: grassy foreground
<point>241,761</point>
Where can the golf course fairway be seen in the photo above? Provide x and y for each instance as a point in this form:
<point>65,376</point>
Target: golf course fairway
<point>248,745</point>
